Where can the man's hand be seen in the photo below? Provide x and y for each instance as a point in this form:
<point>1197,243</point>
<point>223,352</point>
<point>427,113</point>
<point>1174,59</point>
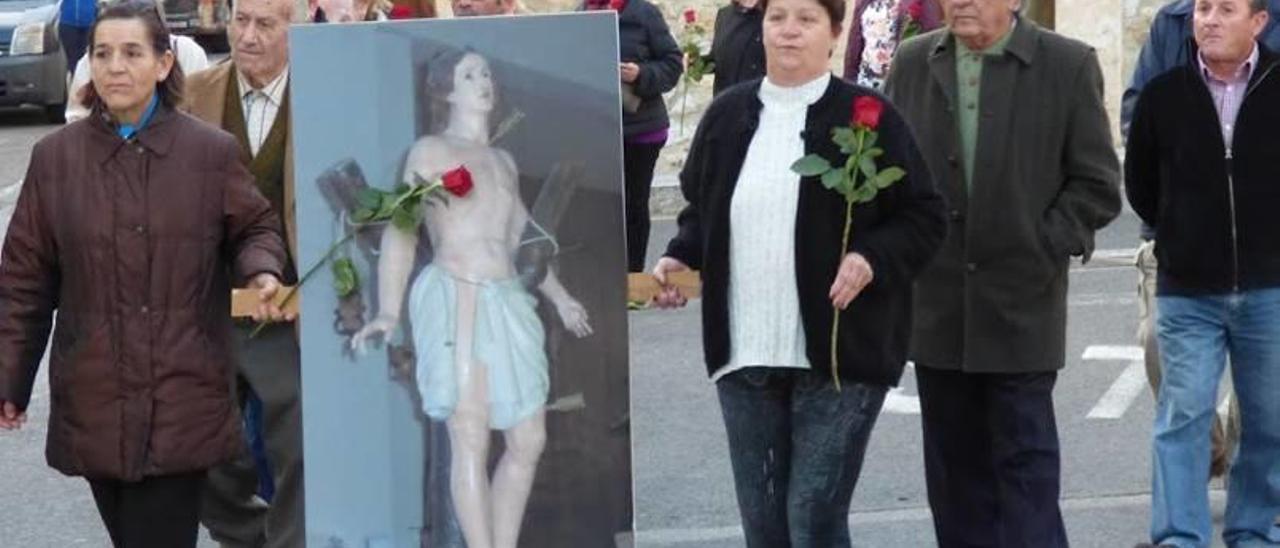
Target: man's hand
<point>630,72</point>
<point>670,296</point>
<point>267,311</point>
<point>854,275</point>
<point>10,417</point>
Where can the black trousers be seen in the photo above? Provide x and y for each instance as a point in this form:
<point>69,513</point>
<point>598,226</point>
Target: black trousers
<point>638,161</point>
<point>991,458</point>
<point>157,512</point>
<point>796,446</point>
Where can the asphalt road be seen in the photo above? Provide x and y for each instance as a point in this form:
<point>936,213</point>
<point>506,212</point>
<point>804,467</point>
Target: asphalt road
<point>684,492</point>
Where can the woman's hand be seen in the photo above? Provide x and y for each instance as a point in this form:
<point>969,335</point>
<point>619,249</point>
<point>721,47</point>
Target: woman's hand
<point>630,72</point>
<point>380,327</point>
<point>670,296</point>
<point>10,417</point>
<point>854,275</point>
<point>574,316</point>
<point>267,311</point>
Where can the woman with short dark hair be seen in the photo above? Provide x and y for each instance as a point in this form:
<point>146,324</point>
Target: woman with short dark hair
<point>131,224</point>
<point>776,269</point>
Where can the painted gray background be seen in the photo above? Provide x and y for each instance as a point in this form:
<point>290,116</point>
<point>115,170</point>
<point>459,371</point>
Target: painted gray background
<point>354,96</point>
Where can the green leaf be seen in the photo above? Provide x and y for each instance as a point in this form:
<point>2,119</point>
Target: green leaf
<point>888,176</point>
<point>363,215</point>
<point>369,198</point>
<point>406,217</point>
<point>834,180</point>
<point>864,194</point>
<point>846,138</point>
<point>868,167</point>
<point>345,278</point>
<point>811,165</point>
<point>870,141</point>
<point>875,152</point>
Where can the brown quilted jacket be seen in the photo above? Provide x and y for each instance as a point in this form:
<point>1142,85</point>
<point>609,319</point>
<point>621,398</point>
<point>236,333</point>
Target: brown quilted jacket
<point>133,244</point>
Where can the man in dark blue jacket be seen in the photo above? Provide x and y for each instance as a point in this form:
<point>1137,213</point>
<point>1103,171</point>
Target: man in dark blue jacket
<point>1169,45</point>
<point>74,20</point>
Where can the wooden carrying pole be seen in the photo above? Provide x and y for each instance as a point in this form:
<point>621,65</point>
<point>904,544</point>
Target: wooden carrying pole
<point>245,301</point>
<point>641,287</point>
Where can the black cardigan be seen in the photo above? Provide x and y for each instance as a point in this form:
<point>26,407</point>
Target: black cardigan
<point>1215,218</point>
<point>898,233</point>
<point>737,47</point>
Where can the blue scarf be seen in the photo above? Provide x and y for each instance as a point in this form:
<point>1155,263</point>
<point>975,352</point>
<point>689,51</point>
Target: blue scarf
<point>127,131</point>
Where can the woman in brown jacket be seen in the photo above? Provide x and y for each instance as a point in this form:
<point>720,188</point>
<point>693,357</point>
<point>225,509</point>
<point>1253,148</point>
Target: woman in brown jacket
<point>131,224</point>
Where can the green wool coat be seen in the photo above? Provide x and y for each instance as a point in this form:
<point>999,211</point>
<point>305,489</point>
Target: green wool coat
<point>1046,177</point>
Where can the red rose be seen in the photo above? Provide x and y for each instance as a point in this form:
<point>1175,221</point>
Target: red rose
<point>457,181</point>
<point>866,112</point>
<point>915,10</point>
<point>690,16</point>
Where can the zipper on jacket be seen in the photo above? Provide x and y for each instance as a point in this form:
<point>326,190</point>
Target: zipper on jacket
<point>1235,237</point>
<point>1231,190</point>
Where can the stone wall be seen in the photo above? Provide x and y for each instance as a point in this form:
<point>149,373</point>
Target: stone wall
<point>1136,20</point>
<point>1098,23</point>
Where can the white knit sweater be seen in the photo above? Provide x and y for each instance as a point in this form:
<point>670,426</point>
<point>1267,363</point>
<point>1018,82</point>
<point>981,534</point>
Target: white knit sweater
<point>764,304</point>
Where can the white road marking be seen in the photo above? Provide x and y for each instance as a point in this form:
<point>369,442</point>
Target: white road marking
<point>1116,401</point>
<point>1112,352</point>
<point>898,402</point>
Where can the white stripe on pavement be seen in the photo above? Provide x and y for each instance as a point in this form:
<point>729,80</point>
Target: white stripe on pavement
<point>897,402</point>
<point>1112,352</point>
<point>1122,393</point>
<point>1116,401</point>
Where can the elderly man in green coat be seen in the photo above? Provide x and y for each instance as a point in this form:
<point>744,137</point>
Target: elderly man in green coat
<point>1012,122</point>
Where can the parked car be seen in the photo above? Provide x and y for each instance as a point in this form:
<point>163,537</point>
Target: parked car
<point>203,20</point>
<point>33,70</point>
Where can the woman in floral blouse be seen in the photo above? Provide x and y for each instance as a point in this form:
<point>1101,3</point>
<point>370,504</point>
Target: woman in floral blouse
<point>877,28</point>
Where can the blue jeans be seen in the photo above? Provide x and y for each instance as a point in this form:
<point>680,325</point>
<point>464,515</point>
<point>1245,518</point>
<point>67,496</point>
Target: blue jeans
<point>1195,336</point>
<point>796,446</point>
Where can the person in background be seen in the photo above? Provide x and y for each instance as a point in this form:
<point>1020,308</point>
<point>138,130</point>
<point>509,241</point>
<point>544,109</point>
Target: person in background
<point>372,10</point>
<point>737,45</point>
<point>473,8</point>
<point>651,64</point>
<point>1168,46</point>
<point>248,96</point>
<point>1200,170</point>
<point>1012,119</point>
<point>878,27</point>
<point>75,17</point>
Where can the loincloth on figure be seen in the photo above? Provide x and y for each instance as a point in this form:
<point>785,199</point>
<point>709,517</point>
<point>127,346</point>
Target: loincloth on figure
<point>507,339</point>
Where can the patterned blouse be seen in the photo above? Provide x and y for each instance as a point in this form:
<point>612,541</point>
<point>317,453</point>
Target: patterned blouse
<point>880,31</point>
